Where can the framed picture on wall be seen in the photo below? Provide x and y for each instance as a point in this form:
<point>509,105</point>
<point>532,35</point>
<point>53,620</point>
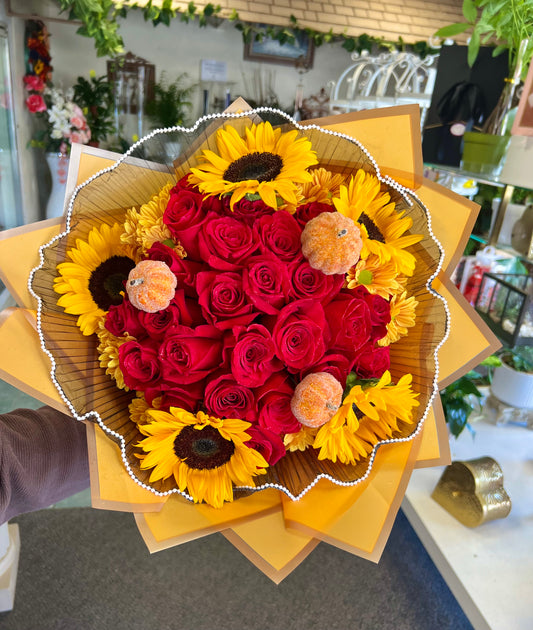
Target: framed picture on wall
<point>523,122</point>
<point>269,50</point>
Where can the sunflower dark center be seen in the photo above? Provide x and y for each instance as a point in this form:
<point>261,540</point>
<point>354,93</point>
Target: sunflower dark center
<point>203,448</point>
<point>373,231</point>
<point>264,167</point>
<point>107,281</point>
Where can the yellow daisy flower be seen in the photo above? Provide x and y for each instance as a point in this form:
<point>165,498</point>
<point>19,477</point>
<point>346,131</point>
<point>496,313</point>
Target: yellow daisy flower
<point>205,455</point>
<point>367,416</point>
<point>324,186</point>
<point>93,278</point>
<point>108,353</point>
<point>382,228</point>
<point>379,278</point>
<point>139,408</point>
<point>144,227</point>
<point>402,313</point>
<point>267,163</point>
<point>301,440</point>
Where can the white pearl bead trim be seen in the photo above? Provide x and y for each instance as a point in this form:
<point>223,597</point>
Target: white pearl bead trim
<point>403,191</point>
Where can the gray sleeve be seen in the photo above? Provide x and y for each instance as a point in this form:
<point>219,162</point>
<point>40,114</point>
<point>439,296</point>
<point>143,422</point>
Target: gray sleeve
<point>43,459</point>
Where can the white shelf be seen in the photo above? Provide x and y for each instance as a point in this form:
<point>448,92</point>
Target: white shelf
<point>489,568</point>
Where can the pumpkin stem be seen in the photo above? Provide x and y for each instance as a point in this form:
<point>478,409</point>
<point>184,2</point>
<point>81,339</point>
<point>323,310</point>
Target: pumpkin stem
<point>136,282</point>
<point>331,406</point>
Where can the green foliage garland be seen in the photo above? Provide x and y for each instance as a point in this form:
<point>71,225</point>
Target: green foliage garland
<point>99,19</point>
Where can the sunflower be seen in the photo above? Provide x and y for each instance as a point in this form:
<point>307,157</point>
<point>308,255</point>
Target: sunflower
<point>301,440</point>
<point>382,228</point>
<point>94,278</point>
<point>108,353</point>
<point>144,227</point>
<point>379,278</point>
<point>205,455</point>
<point>367,416</point>
<point>402,313</point>
<point>265,163</point>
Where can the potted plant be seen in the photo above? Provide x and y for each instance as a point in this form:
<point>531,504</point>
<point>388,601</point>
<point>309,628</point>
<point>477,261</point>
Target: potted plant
<point>512,381</point>
<point>171,105</point>
<point>95,97</point>
<point>509,24</point>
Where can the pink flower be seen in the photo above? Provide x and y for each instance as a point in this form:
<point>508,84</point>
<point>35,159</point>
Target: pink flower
<point>35,103</point>
<point>34,83</point>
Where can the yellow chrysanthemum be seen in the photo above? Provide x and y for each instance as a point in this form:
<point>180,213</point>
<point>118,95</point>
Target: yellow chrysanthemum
<point>108,353</point>
<point>93,279</point>
<point>367,416</point>
<point>379,278</point>
<point>139,408</point>
<point>301,440</point>
<point>205,455</point>
<point>144,227</point>
<point>382,228</point>
<point>267,162</point>
<point>324,186</point>
<point>402,313</point>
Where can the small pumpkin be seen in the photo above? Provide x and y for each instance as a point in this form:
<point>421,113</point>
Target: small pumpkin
<point>316,399</point>
<point>331,243</point>
<point>151,285</point>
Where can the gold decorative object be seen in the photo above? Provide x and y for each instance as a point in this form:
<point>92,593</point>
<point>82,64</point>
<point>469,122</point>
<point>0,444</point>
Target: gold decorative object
<point>473,491</point>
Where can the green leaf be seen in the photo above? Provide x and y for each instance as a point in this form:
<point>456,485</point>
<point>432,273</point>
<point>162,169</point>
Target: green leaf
<point>469,11</point>
<point>457,412</point>
<point>473,48</point>
<point>452,30</point>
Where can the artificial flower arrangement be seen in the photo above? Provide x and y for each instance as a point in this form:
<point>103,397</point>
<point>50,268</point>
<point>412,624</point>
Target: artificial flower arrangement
<point>62,121</point>
<point>253,324</point>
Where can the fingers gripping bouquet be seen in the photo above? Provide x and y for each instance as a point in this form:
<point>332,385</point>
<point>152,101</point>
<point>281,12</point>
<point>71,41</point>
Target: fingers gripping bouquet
<point>261,320</point>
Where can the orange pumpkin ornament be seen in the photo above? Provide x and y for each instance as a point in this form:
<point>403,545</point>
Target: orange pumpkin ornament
<point>331,243</point>
<point>151,285</point>
<point>316,399</point>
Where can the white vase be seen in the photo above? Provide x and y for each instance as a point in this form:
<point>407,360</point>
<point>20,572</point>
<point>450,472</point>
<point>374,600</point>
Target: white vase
<point>512,387</point>
<point>58,165</point>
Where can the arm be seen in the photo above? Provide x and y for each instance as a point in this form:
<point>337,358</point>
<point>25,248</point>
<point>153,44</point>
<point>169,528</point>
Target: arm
<point>43,459</point>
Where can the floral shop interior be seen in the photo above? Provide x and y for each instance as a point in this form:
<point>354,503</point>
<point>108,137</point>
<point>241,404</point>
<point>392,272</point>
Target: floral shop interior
<point>266,274</point>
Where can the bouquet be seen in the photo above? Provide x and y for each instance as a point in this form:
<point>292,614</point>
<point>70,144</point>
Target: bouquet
<point>264,319</point>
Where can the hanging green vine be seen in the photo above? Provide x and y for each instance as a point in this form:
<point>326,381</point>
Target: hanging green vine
<point>99,18</point>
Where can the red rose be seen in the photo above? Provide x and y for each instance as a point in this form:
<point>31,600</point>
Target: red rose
<point>184,217</point>
<point>248,211</point>
<point>123,319</point>
<point>379,309</point>
<point>35,103</point>
<point>225,398</point>
<point>280,235</point>
<point>223,301</point>
<point>139,364</point>
<point>225,243</point>
<point>309,211</point>
<point>336,363</point>
<point>181,310</point>
<point>350,322</point>
<point>267,443</point>
<point>253,359</point>
<point>308,282</point>
<point>274,404</point>
<point>372,362</point>
<point>163,396</point>
<point>266,282</point>
<point>34,83</point>
<point>168,255</point>
<point>301,334</point>
<point>188,356</point>
<point>185,271</point>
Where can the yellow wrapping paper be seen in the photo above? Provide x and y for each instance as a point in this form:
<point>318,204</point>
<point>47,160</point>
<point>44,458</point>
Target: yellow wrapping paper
<point>274,532</point>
